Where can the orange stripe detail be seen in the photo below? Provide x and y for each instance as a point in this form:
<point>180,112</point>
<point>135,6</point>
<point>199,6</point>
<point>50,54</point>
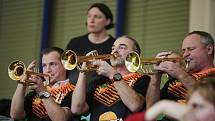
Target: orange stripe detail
<point>204,73</point>
<point>37,104</point>
<point>110,95</point>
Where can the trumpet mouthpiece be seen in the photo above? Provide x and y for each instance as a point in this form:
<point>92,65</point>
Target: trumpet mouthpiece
<point>187,60</point>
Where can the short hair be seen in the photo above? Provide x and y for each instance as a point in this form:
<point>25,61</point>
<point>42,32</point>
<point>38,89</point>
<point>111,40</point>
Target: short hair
<point>106,11</point>
<point>52,49</point>
<point>206,38</point>
<point>206,88</point>
<point>136,45</point>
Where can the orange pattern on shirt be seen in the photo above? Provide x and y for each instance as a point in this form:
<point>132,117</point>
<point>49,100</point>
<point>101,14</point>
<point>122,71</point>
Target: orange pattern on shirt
<point>179,90</point>
<point>108,95</point>
<point>57,93</point>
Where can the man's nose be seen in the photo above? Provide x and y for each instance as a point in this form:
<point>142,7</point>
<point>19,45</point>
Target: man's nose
<point>91,19</point>
<point>48,69</point>
<point>115,50</point>
<point>186,53</point>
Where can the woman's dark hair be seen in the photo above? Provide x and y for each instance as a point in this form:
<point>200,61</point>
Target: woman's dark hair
<point>106,11</point>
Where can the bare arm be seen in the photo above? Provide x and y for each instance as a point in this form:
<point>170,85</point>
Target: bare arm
<point>17,110</point>
<point>129,96</point>
<point>166,107</point>
<point>55,112</point>
<point>175,69</point>
<point>177,72</point>
<point>153,92</point>
<point>79,104</point>
<point>17,105</point>
<point>133,100</point>
<point>186,79</point>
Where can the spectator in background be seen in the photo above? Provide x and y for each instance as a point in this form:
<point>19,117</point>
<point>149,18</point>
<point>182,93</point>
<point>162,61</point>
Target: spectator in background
<point>99,20</point>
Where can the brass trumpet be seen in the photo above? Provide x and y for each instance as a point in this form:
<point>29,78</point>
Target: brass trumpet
<point>134,63</point>
<point>17,69</point>
<point>70,60</point>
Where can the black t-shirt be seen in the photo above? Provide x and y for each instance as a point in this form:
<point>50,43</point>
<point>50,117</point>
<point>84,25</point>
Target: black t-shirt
<point>81,46</point>
<point>174,90</point>
<point>106,102</point>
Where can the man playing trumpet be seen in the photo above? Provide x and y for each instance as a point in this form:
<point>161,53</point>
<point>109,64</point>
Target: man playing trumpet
<point>118,93</point>
<point>198,52</point>
<point>46,102</point>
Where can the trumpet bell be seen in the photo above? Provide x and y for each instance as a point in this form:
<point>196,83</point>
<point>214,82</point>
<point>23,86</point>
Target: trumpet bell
<point>16,69</point>
<point>69,59</point>
<point>132,62</point>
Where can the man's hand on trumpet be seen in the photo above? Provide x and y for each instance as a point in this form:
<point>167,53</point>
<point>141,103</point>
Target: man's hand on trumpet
<point>170,67</point>
<point>25,78</point>
<point>33,81</point>
<point>87,65</point>
<point>38,85</point>
<point>104,68</point>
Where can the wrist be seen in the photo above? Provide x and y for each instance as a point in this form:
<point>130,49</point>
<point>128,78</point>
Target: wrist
<point>182,75</point>
<point>82,76</point>
<point>112,73</point>
<point>116,77</point>
<point>44,94</point>
<point>41,88</point>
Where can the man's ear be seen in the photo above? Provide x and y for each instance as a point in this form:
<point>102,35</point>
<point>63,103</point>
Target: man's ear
<point>210,49</point>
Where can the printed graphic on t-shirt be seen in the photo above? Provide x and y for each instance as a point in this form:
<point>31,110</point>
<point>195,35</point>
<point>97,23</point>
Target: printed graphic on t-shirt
<point>107,93</point>
<point>109,116</point>
<point>58,94</point>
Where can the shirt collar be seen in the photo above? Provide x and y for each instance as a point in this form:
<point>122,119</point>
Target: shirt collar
<point>60,83</point>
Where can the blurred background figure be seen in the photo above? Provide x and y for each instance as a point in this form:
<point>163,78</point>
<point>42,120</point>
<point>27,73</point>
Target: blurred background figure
<point>99,21</point>
<point>200,107</point>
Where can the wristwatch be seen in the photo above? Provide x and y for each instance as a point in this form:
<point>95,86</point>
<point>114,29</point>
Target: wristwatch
<point>117,77</point>
<point>45,94</point>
